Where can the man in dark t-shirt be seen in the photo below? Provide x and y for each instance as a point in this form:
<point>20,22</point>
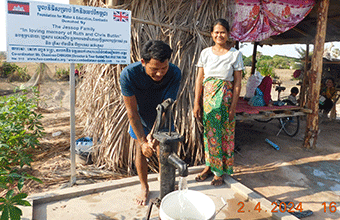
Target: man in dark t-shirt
<point>144,85</point>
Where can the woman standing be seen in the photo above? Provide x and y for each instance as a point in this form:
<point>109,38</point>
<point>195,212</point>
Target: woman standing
<point>219,80</point>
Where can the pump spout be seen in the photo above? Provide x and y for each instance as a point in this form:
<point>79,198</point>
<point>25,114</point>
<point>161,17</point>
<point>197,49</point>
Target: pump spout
<point>182,167</point>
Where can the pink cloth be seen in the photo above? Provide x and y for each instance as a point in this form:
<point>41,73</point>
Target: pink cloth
<point>257,20</point>
<point>266,88</point>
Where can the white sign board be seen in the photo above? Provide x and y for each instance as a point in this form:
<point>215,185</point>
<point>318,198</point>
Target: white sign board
<point>59,33</point>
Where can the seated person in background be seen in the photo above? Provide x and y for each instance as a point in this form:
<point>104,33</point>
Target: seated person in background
<point>266,88</point>
<point>252,83</point>
<point>262,95</point>
<point>291,100</point>
<point>327,94</point>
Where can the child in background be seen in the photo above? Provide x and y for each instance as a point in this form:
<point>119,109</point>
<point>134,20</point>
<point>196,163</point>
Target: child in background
<point>291,100</point>
<point>327,95</point>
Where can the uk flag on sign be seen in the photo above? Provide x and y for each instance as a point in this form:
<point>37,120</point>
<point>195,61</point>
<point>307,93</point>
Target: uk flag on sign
<point>120,16</point>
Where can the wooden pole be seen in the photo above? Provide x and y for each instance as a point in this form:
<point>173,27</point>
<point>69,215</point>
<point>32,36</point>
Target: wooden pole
<point>315,73</point>
<point>237,45</point>
<point>253,61</point>
<point>305,79</point>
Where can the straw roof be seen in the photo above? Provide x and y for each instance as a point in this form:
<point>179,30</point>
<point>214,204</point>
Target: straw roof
<point>185,27</point>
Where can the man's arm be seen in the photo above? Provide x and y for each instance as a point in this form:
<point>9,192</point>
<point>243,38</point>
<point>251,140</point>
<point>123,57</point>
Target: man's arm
<point>135,121</point>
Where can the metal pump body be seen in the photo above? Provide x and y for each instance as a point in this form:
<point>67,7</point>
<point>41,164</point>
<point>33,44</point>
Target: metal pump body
<point>168,146</point>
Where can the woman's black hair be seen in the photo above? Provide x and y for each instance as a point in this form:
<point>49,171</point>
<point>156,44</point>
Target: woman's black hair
<point>156,49</point>
<point>222,22</point>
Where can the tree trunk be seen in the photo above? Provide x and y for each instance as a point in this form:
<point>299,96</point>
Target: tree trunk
<point>305,78</point>
<point>315,73</point>
<point>253,62</point>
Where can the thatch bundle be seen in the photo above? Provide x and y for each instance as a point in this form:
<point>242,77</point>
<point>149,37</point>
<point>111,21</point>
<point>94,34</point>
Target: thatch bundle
<point>184,25</point>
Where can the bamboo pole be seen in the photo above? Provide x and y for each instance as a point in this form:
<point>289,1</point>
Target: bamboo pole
<point>315,76</point>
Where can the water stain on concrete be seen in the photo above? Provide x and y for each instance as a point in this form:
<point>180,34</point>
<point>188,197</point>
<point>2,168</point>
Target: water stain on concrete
<point>92,198</point>
<point>110,214</point>
<point>240,208</point>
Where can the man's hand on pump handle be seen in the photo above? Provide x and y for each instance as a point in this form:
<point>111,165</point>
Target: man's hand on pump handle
<point>150,146</point>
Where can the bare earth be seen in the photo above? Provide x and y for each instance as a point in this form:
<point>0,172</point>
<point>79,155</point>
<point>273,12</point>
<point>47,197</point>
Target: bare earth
<point>309,177</point>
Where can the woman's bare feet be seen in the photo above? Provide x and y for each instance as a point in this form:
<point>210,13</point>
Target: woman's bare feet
<point>142,198</point>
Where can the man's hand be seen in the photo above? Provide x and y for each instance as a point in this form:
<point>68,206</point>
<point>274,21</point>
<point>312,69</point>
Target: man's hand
<point>149,147</point>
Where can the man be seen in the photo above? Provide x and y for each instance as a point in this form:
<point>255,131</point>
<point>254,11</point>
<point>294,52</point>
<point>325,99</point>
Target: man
<point>144,85</point>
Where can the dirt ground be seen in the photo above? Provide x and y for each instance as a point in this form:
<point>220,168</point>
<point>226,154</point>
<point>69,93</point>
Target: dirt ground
<point>309,177</point>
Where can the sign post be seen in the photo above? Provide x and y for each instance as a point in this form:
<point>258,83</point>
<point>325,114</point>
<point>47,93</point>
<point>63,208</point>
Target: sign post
<point>73,125</point>
<point>58,33</point>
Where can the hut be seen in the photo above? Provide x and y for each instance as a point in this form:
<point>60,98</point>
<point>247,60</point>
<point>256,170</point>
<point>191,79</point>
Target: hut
<point>318,27</point>
<point>185,26</point>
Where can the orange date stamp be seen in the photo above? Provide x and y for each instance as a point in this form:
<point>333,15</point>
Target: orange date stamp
<point>331,207</point>
<point>276,207</point>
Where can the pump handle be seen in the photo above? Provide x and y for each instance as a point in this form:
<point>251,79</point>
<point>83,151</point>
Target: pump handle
<point>165,107</point>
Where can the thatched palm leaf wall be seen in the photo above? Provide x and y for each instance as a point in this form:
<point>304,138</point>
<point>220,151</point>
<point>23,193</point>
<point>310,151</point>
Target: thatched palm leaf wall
<point>185,27</point>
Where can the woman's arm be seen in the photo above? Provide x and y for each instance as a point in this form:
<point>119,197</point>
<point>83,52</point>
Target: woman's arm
<point>198,93</point>
<point>236,93</point>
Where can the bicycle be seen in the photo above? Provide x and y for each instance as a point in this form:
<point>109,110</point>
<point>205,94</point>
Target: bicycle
<point>290,124</point>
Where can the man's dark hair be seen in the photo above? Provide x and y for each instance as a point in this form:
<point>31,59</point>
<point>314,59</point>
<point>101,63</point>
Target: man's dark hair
<point>156,49</point>
<point>294,90</point>
<point>222,22</point>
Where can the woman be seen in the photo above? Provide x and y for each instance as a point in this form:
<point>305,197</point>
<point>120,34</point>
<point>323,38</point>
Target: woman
<point>219,80</point>
<point>327,94</point>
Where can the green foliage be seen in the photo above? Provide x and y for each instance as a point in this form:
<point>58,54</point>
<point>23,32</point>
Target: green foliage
<point>7,69</point>
<point>266,57</point>
<point>79,66</point>
<point>265,68</point>
<point>20,130</point>
<point>14,72</point>
<point>247,60</point>
<point>63,74</point>
<point>302,52</point>
<point>19,75</point>
<point>277,62</point>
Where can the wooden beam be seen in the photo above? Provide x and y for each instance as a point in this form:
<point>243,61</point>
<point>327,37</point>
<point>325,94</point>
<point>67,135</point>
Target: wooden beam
<point>306,110</point>
<point>312,126</point>
<point>241,117</point>
<point>301,31</point>
<point>325,62</point>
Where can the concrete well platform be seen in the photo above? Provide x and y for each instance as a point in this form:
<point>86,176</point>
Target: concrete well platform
<point>114,200</point>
